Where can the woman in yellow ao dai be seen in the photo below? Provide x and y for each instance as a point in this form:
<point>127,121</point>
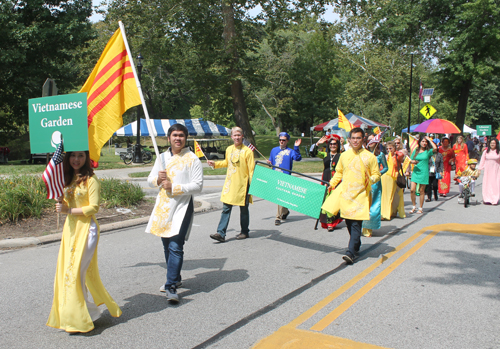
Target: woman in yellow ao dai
<point>185,172</point>
<point>77,268</point>
<point>357,171</point>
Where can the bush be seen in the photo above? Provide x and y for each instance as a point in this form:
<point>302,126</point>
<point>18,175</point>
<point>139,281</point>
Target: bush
<point>114,193</point>
<point>22,197</point>
<point>26,196</point>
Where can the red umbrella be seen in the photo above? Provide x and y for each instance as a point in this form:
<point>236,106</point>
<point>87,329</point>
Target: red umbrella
<point>437,126</point>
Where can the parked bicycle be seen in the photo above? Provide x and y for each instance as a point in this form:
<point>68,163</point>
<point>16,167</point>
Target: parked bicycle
<point>128,157</point>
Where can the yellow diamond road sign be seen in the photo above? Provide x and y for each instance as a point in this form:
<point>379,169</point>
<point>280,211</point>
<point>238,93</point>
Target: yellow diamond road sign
<point>427,111</point>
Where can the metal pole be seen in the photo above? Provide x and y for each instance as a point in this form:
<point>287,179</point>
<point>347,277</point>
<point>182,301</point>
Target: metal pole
<point>409,99</point>
<point>138,149</point>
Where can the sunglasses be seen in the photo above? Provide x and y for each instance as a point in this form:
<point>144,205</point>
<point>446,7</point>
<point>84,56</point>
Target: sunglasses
<point>283,140</point>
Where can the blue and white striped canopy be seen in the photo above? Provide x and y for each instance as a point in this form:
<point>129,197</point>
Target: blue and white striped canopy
<point>196,127</point>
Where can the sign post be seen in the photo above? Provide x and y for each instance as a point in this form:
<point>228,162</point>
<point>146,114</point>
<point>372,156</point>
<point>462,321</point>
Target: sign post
<point>291,192</point>
<point>58,117</point>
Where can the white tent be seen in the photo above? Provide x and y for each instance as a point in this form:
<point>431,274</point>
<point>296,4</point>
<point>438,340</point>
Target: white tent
<point>470,130</point>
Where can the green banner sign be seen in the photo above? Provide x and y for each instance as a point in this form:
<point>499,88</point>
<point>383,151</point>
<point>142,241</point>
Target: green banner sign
<point>483,130</point>
<point>56,117</point>
<point>291,192</point>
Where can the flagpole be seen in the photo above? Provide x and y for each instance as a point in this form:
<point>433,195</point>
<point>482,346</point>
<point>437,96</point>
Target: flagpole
<point>138,83</point>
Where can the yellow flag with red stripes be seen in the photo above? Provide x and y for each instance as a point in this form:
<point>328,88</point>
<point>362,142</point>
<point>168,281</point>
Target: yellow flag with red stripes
<point>343,122</point>
<point>413,143</point>
<point>377,130</point>
<point>111,90</point>
<point>197,150</point>
<point>406,163</point>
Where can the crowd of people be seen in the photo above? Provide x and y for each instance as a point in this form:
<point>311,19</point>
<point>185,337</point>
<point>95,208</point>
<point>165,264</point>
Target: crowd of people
<point>364,175</point>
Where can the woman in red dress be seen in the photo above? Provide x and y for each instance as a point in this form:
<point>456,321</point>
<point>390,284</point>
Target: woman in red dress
<point>448,160</point>
<point>461,155</point>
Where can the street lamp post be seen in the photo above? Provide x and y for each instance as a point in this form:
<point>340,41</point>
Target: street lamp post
<point>409,103</point>
<point>138,148</point>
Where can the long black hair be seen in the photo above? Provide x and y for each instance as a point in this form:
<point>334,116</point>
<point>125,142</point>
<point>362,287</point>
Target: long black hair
<point>489,145</point>
<point>85,172</point>
<point>331,140</point>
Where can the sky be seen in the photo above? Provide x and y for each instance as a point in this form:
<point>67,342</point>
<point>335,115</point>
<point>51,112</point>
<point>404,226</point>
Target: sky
<point>330,16</point>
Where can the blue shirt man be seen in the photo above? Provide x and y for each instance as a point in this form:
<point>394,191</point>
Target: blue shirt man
<point>283,157</point>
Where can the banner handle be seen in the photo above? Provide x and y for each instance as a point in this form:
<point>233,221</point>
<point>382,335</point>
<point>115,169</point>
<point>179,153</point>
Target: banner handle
<point>291,171</point>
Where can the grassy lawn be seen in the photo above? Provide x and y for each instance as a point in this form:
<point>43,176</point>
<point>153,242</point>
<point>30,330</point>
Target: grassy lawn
<point>109,160</point>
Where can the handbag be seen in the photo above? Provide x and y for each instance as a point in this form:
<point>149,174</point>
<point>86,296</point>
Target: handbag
<point>438,175</point>
<point>401,180</point>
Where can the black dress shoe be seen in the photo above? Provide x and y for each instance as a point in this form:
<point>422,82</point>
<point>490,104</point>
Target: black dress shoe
<point>218,237</point>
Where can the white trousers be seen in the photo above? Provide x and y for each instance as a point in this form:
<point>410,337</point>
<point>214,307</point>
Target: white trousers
<point>88,253</point>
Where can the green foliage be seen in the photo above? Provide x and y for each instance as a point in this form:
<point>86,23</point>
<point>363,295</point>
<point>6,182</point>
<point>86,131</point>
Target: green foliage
<point>22,197</point>
<point>39,39</point>
<point>26,196</point>
<point>115,192</point>
<point>464,36</point>
<point>485,102</point>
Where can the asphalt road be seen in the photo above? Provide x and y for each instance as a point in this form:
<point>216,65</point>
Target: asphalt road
<point>286,286</point>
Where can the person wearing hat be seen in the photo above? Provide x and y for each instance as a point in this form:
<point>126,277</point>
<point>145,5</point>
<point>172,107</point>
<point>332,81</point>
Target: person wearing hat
<point>283,157</point>
<point>472,172</point>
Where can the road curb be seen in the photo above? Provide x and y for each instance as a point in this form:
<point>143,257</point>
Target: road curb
<point>46,239</point>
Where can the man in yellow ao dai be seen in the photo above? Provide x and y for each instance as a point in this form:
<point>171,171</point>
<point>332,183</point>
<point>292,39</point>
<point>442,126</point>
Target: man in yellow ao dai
<point>178,174</point>
<point>240,165</point>
<point>358,170</point>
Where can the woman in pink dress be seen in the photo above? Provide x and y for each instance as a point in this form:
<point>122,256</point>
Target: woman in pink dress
<point>461,155</point>
<point>448,160</point>
<point>490,166</point>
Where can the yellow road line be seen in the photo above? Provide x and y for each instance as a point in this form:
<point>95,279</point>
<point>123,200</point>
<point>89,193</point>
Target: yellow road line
<point>327,320</point>
<point>327,300</point>
<point>292,338</point>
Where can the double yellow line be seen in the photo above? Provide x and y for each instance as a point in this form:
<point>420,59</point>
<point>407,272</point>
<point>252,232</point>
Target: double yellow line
<point>289,334</point>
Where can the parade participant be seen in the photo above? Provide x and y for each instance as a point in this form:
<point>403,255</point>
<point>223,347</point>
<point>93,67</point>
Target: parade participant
<point>470,146</point>
<point>240,164</point>
<point>471,172</point>
<point>490,165</point>
<point>448,161</point>
<point>344,145</point>
<point>330,161</point>
<point>356,171</point>
<point>283,157</point>
<point>398,203</point>
<point>376,192</point>
<point>178,174</point>
<point>392,200</point>
<point>399,146</point>
<point>420,175</point>
<point>435,174</point>
<point>461,154</point>
<point>72,309</point>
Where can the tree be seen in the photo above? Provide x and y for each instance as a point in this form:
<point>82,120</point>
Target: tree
<point>204,46</point>
<point>463,35</point>
<point>39,39</point>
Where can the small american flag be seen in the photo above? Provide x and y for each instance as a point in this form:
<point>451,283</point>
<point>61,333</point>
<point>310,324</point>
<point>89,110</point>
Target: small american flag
<point>377,138</point>
<point>53,176</point>
<point>249,145</point>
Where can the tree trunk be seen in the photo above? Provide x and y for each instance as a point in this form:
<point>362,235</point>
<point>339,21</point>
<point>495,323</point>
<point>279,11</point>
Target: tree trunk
<point>462,104</point>
<point>276,124</point>
<point>239,106</point>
